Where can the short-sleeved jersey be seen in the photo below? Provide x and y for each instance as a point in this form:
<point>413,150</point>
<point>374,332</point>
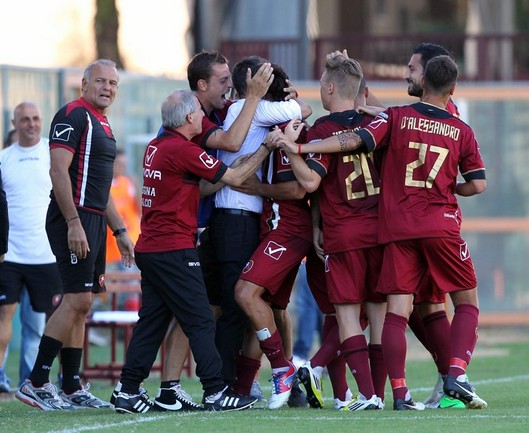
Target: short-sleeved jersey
<point>210,124</point>
<point>426,149</point>
<point>83,130</point>
<point>172,168</point>
<point>349,188</point>
<point>292,216</point>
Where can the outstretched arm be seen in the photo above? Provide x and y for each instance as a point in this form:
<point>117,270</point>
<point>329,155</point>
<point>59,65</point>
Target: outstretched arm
<point>231,140</point>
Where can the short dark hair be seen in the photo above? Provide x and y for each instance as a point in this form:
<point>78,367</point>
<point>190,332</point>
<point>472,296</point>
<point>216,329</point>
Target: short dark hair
<point>199,67</point>
<point>276,91</point>
<point>238,75</point>
<point>440,74</point>
<point>428,51</point>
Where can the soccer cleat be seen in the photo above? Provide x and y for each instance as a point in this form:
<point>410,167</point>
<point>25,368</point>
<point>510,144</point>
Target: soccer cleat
<point>116,391</point>
<point>401,404</point>
<point>227,400</point>
<point>281,387</point>
<point>459,387</point>
<point>256,391</point>
<point>297,396</point>
<point>340,404</point>
<point>450,403</point>
<point>361,403</point>
<point>83,399</point>
<point>313,385</point>
<point>133,403</point>
<point>432,402</point>
<point>44,398</point>
<point>175,399</point>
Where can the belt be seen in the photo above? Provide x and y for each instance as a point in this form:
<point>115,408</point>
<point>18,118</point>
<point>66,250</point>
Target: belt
<point>240,212</point>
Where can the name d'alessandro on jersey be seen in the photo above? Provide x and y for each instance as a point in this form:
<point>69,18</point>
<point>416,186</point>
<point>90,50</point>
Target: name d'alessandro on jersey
<point>430,126</point>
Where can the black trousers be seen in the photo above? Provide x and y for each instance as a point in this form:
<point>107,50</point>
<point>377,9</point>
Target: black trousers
<point>172,285</point>
<point>234,239</point>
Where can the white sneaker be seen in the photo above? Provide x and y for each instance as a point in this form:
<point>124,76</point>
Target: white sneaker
<point>340,404</point>
<point>361,403</point>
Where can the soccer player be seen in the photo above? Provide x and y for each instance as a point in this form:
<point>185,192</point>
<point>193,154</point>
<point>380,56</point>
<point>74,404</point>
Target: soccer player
<point>420,220</point>
<point>348,202</point>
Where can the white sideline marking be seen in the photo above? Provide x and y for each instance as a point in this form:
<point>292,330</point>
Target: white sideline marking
<point>269,416</point>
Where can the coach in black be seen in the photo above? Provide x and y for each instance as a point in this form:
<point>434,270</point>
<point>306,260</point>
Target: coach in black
<point>82,149</point>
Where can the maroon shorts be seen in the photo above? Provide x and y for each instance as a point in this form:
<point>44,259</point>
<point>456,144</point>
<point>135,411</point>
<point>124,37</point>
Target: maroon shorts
<point>406,264</point>
<point>352,276</point>
<point>428,292</point>
<point>274,265</point>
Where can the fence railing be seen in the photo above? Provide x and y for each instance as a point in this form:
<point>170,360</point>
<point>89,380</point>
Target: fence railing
<point>486,57</point>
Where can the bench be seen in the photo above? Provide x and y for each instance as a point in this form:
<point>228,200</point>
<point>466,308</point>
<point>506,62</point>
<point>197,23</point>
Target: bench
<point>116,320</point>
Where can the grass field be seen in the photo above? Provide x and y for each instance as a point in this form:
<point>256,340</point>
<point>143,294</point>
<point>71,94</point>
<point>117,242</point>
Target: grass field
<point>499,370</point>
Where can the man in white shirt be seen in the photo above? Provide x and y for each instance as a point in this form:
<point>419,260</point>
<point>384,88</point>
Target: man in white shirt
<point>235,225</point>
<point>29,262</point>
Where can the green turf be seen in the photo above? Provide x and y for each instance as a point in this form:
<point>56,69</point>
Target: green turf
<point>499,370</point>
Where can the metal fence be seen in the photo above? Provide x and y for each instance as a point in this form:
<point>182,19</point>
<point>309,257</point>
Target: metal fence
<point>487,57</point>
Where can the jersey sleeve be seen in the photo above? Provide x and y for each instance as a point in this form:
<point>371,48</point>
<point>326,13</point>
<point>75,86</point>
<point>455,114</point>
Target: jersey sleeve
<point>270,113</point>
<point>208,128</point>
<point>201,164</point>
<point>375,134</point>
<point>67,128</point>
<point>471,164</point>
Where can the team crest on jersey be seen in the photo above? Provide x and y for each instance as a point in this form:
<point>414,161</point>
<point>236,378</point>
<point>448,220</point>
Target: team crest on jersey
<point>248,266</point>
<point>315,156</point>
<point>208,160</point>
<point>149,155</point>
<point>61,131</point>
<point>326,258</point>
<point>101,280</point>
<point>464,253</point>
<point>274,250</point>
<point>379,120</point>
<point>284,158</point>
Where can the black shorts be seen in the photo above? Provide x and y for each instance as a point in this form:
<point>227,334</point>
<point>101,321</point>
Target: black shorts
<point>42,281</point>
<point>78,275</point>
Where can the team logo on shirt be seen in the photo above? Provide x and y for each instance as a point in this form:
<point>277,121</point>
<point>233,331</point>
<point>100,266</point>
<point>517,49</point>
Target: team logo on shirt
<point>61,131</point>
<point>101,280</point>
<point>315,156</point>
<point>379,120</point>
<point>326,259</point>
<point>274,250</point>
<point>464,253</point>
<point>208,160</point>
<point>284,157</point>
<point>248,266</point>
<point>149,155</point>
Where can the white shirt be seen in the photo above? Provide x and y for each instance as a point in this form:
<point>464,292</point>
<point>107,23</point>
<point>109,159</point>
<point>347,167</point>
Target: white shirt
<point>27,183</point>
<point>268,114</point>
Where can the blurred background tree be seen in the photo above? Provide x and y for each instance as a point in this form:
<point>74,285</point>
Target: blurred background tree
<point>106,24</point>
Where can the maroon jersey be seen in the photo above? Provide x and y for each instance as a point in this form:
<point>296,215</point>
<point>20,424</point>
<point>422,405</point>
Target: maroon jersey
<point>172,168</point>
<point>84,131</point>
<point>426,148</point>
<point>291,216</point>
<point>349,189</point>
<point>210,124</point>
